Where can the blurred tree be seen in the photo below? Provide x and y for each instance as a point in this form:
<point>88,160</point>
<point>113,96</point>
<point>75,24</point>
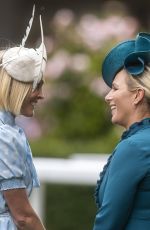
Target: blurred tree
<point>81,115</point>
<point>14,15</point>
<point>140,9</point>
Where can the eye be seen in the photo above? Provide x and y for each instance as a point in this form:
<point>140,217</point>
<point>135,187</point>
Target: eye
<point>114,88</point>
<point>39,85</point>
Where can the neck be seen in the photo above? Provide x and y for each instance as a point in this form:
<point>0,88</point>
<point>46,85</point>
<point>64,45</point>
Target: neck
<point>138,117</point>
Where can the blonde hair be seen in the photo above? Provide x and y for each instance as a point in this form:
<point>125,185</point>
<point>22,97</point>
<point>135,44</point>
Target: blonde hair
<point>12,93</point>
<point>142,82</point>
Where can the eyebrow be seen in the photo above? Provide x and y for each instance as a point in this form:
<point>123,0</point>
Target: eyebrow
<point>40,83</point>
<point>114,84</point>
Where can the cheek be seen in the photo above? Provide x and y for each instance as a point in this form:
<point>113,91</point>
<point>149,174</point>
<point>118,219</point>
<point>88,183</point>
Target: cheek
<point>129,100</point>
<point>125,105</point>
<point>123,102</point>
<point>26,103</point>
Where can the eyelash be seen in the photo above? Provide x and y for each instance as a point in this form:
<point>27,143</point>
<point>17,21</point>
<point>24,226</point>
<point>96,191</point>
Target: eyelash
<point>114,88</point>
<point>38,87</point>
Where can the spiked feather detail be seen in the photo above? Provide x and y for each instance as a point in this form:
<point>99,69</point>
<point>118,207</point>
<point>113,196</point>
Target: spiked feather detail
<point>28,28</point>
<point>24,64</point>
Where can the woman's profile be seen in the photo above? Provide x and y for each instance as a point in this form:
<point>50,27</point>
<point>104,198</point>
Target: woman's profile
<point>123,190</point>
<point>21,80</point>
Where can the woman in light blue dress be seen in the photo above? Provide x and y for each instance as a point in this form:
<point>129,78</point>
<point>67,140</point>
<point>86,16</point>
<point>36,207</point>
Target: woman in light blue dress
<point>21,80</point>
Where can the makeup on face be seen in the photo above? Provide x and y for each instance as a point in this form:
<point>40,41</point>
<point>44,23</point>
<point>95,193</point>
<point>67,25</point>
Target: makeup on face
<point>120,100</point>
<point>31,100</point>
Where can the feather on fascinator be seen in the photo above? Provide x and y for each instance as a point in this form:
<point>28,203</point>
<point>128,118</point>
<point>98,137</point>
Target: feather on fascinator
<point>24,64</point>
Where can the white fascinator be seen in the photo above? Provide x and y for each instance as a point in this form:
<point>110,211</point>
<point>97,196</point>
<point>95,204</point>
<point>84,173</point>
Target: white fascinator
<point>26,64</point>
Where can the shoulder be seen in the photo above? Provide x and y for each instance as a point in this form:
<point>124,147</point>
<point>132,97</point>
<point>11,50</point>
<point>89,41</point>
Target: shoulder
<point>138,141</point>
<point>133,152</point>
<point>10,131</point>
<point>7,131</point>
<point>11,141</point>
<point>12,158</point>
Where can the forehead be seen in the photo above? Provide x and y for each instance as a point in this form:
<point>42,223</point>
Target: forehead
<point>40,82</point>
<point>121,78</point>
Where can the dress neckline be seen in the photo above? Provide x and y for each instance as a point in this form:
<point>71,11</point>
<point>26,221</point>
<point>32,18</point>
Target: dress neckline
<point>144,123</point>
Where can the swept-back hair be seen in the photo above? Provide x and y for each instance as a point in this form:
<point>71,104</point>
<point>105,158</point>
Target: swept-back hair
<point>12,93</point>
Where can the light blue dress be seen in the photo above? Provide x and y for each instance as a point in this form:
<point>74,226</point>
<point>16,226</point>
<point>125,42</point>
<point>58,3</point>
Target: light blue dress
<point>16,166</point>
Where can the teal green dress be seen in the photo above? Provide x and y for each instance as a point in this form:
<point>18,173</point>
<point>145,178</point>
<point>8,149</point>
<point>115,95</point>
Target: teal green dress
<point>123,191</point>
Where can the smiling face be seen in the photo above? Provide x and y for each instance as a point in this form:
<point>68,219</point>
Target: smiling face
<point>121,101</point>
<point>31,100</point>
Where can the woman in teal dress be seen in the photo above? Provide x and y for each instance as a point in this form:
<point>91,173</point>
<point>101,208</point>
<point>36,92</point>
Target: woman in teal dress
<point>123,190</point>
<point>21,80</point>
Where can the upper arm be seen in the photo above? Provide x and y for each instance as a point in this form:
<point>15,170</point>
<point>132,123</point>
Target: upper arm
<point>21,210</point>
<point>126,170</point>
<point>12,160</point>
<point>18,203</point>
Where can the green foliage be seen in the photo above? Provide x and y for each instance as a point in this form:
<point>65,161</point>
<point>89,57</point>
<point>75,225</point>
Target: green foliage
<point>49,146</point>
<point>82,117</point>
<point>70,207</point>
<point>79,115</point>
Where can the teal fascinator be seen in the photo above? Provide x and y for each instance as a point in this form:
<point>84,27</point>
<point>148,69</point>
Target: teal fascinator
<point>132,55</point>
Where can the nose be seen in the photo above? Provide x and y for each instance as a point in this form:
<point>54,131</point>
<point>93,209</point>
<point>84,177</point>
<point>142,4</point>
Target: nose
<point>108,97</point>
<point>40,95</point>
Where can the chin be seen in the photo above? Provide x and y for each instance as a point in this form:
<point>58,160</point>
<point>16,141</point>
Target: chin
<point>31,114</point>
<point>28,114</point>
<point>115,121</point>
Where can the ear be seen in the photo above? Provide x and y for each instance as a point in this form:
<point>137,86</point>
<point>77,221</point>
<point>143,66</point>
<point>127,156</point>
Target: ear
<point>139,96</point>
